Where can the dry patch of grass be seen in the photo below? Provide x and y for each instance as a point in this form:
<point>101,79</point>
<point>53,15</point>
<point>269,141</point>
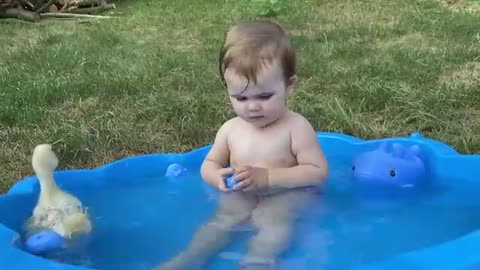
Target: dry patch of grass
<point>463,76</point>
<point>467,6</point>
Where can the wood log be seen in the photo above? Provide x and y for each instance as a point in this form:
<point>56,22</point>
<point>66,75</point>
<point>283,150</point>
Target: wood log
<point>91,10</point>
<point>53,8</point>
<point>19,13</point>
<point>90,3</point>
<point>45,7</point>
<point>4,4</point>
<point>27,3</point>
<point>34,10</point>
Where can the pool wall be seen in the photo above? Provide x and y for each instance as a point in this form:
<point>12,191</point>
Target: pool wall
<point>443,163</point>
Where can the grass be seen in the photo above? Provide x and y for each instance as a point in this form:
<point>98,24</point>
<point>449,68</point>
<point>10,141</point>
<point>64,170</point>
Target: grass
<point>147,82</point>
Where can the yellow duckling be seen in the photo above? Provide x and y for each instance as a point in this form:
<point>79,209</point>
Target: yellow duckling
<point>56,209</point>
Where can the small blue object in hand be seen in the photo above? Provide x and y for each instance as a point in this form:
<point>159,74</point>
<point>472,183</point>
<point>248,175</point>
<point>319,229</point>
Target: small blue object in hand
<point>44,242</point>
<point>230,182</point>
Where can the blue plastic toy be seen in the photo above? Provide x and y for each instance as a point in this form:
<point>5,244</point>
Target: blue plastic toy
<point>44,242</point>
<point>230,182</point>
<point>393,166</point>
<point>175,170</point>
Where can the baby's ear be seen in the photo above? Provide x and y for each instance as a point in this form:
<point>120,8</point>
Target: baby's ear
<point>292,82</point>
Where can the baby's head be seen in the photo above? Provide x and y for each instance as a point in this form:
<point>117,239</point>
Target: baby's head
<point>257,65</point>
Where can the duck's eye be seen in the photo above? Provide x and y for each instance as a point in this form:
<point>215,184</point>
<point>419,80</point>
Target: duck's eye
<point>393,173</point>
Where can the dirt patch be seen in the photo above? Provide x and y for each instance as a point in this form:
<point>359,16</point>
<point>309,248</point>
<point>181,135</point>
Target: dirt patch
<point>313,30</point>
<point>471,116</point>
<point>410,40</point>
<point>468,6</point>
<point>182,40</point>
<point>465,76</point>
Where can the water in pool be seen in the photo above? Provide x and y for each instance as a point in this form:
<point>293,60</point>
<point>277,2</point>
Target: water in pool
<point>142,223</point>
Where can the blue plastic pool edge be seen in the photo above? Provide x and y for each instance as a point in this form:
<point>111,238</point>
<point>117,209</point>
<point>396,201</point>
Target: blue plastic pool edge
<point>444,161</point>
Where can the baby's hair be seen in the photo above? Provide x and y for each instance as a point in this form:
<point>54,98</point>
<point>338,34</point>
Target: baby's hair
<point>251,45</point>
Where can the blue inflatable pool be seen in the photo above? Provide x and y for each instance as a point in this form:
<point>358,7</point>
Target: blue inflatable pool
<point>142,217</point>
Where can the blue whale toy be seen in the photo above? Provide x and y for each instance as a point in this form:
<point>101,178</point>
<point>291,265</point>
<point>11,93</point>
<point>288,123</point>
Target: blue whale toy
<point>390,168</point>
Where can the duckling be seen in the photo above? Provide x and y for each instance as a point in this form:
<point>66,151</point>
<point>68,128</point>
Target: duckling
<point>56,209</point>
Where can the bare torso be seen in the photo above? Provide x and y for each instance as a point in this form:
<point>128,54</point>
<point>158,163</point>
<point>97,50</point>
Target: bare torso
<point>268,147</point>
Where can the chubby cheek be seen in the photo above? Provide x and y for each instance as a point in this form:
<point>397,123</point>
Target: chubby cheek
<point>275,104</point>
<point>237,106</point>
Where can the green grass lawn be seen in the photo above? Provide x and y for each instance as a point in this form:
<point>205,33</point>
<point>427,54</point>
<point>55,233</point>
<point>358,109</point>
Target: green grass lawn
<point>147,81</point>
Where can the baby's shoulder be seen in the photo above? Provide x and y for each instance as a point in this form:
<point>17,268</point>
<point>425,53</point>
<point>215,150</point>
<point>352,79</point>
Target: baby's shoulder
<point>228,125</point>
<point>297,121</point>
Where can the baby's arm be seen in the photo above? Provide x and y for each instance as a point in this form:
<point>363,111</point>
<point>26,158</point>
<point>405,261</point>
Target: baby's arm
<point>312,168</point>
<point>213,168</point>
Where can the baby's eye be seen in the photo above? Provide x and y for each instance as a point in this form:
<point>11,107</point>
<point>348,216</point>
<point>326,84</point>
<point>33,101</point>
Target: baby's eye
<point>265,97</point>
<point>241,98</point>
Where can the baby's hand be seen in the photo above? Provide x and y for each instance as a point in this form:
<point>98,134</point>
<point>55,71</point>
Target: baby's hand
<point>251,178</point>
<point>221,175</point>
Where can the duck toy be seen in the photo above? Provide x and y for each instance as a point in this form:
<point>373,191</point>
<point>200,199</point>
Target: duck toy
<point>58,216</point>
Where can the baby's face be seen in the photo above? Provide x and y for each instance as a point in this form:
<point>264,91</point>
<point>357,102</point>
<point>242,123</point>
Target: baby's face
<point>262,103</point>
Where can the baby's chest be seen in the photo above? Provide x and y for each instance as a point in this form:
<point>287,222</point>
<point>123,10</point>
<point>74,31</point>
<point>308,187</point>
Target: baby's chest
<point>268,151</point>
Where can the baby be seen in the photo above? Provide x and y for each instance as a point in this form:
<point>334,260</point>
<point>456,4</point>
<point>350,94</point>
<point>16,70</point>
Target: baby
<point>272,151</point>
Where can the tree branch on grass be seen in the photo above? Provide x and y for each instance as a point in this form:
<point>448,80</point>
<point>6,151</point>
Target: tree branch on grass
<point>34,10</point>
<point>27,3</point>
<point>72,15</point>
<point>92,10</point>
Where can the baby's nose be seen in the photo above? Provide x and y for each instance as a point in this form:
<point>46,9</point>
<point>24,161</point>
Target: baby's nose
<point>254,106</point>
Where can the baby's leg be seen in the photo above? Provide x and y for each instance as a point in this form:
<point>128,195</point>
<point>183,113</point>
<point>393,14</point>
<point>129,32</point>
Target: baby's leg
<point>234,208</point>
<point>274,218</point>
